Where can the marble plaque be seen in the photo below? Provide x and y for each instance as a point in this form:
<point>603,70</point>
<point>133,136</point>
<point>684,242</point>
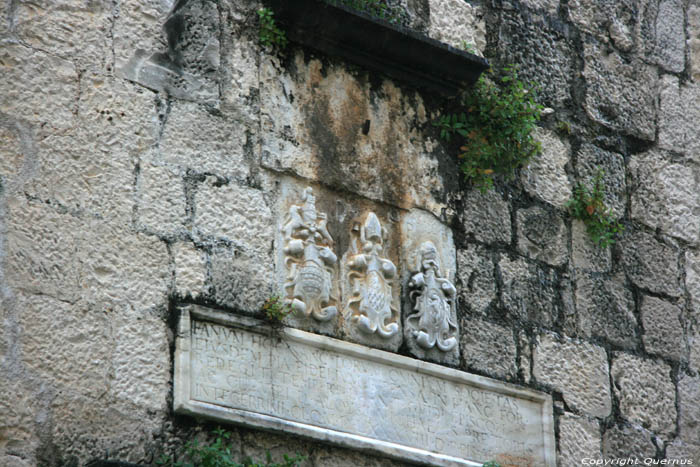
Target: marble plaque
<point>235,369</point>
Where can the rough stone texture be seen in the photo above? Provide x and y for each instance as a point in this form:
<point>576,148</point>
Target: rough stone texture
<point>162,204</point>
<point>578,370</point>
<point>454,22</point>
<point>542,235</point>
<point>620,95</point>
<point>667,31</point>
<point>689,408</point>
<point>545,176</point>
<point>549,6</point>
<point>589,160</point>
<point>649,263</point>
<point>628,441</point>
<point>663,328</point>
<point>678,112</point>
<point>190,269</point>
<point>664,195</point>
<point>241,279</point>
<point>645,389</point>
<point>488,348</point>
<point>529,292</point>
<point>605,308</point>
<point>486,216</point>
<point>586,255</point>
<point>139,26</point>
<point>694,42</point>
<point>476,284</point>
<point>579,438</point>
<point>600,17</point>
<point>682,451</point>
<point>692,281</point>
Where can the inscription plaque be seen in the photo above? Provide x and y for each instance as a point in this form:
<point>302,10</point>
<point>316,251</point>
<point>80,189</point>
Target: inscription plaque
<point>233,369</point>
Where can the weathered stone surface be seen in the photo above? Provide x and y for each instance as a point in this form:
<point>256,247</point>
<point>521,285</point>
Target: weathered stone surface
<point>579,438</point>
<point>678,112</point>
<point>645,390</point>
<point>454,22</point>
<point>587,255</point>
<point>488,348</point>
<point>549,6</point>
<point>618,20</point>
<point>692,281</point>
<point>589,160</point>
<point>326,124</point>
<point>257,445</point>
<point>628,441</point>
<point>139,26</point>
<point>476,283</point>
<point>529,293</point>
<point>525,367</point>
<point>545,176</point>
<point>351,398</point>
<point>578,369</point>
<point>200,140</point>
<point>663,328</point>
<point>542,51</point>
<point>665,35</point>
<point>44,99</point>
<point>620,95</point>
<point>682,451</point>
<point>486,216</point>
<point>341,458</point>
<point>16,153</point>
<point>241,279</point>
<point>689,408</point>
<point>649,263</point>
<point>606,309</point>
<point>694,42</point>
<point>161,201</point>
<point>190,269</point>
<point>542,235</point>
<point>665,196</point>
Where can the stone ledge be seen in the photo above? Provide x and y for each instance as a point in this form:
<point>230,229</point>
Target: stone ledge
<point>378,45</point>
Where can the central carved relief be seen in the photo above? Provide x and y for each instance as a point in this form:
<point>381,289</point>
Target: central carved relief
<point>371,277</point>
<point>309,260</point>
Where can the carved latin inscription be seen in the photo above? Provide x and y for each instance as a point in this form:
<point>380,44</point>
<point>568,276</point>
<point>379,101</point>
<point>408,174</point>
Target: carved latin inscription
<point>371,277</point>
<point>309,260</point>
<point>433,296</point>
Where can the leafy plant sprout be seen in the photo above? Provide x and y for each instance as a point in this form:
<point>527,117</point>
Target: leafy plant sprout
<point>496,124</point>
<point>275,309</point>
<point>270,35</point>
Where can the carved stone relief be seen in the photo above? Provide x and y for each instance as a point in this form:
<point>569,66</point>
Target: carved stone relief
<point>309,260</point>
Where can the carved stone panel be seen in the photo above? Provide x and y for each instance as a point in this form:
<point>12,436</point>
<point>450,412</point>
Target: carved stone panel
<point>370,286</point>
<point>234,370</point>
<point>431,330</point>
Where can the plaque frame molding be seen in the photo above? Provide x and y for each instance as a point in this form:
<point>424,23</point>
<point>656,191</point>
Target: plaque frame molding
<point>185,405</point>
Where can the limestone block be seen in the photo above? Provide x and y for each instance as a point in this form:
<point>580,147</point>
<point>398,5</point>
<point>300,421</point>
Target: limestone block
<point>645,390</point>
<point>663,328</point>
<point>20,410</point>
<point>681,451</point>
<point>331,457</point>
<point>549,6</point>
<point>476,283</point>
<point>689,408</point>
<point>665,35</point>
<point>542,235</point>
<point>606,309</point>
<point>139,26</point>
<point>15,153</point>
<point>649,263</point>
<point>542,52</point>
<point>578,369</point>
<point>590,159</point>
<point>608,19</point>
<point>194,138</point>
<point>161,200</point>
<point>694,344</point>
<point>41,250</point>
<point>73,30</point>
<point>525,367</point>
<point>455,23</point>
<point>529,293</point>
<point>121,269</point>
<point>694,42</point>
<point>628,441</point>
<point>190,269</point>
<point>620,95</point>
<point>678,113</point>
<point>44,99</point>
<point>665,195</point>
<point>587,255</point>
<point>428,270</point>
<point>241,278</point>
<point>579,438</point>
<point>488,348</point>
<point>545,176</point>
<point>332,127</point>
<point>486,216</point>
<point>241,91</point>
<point>257,444</point>
<point>692,280</point>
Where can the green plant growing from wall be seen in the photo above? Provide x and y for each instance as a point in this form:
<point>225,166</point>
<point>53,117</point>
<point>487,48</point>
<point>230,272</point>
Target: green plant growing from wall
<point>496,125</point>
<point>270,35</point>
<point>491,464</point>
<point>218,454</point>
<point>588,205</point>
<point>275,310</point>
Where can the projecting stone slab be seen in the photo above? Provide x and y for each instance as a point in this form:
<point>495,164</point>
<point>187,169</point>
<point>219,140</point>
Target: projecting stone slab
<point>233,369</point>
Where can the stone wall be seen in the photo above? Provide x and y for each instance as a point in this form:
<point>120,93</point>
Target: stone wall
<point>147,154</point>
